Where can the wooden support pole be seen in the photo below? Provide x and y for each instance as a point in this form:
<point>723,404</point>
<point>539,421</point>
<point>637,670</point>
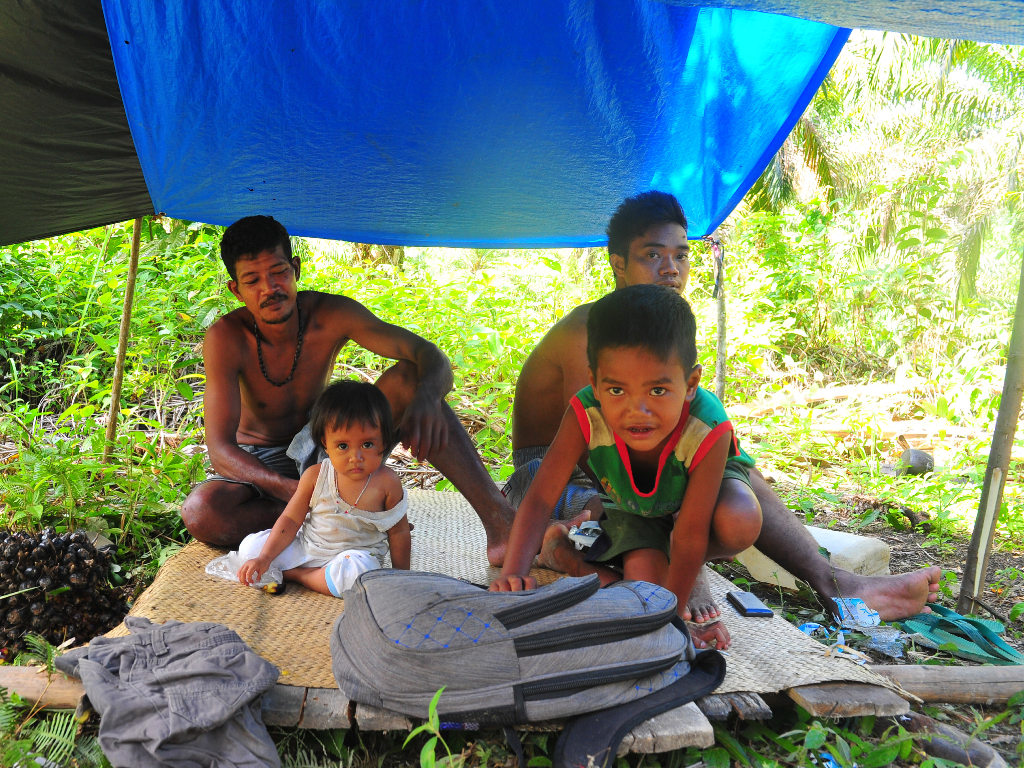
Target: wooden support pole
<point>122,342</point>
<point>998,463</point>
<point>721,347</point>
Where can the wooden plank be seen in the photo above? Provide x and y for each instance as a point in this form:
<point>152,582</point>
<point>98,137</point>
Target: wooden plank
<point>682,727</point>
<point>956,685</point>
<point>746,704</point>
<point>715,707</point>
<point>750,706</point>
<point>325,708</point>
<point>59,692</point>
<point>848,700</point>
<point>373,719</point>
<point>282,705</point>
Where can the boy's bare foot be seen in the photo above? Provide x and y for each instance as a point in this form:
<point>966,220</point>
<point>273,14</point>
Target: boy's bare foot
<point>581,518</point>
<point>704,634</point>
<point>557,553</point>
<point>701,606</point>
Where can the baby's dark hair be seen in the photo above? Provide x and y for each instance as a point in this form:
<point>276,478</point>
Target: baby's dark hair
<point>636,215</point>
<point>352,402</point>
<point>651,317</point>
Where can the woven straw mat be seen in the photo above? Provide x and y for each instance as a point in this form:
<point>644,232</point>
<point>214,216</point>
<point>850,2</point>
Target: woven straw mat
<point>293,630</point>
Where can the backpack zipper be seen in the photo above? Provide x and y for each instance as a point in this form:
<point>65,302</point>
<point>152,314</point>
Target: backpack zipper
<point>517,615</point>
<point>567,685</point>
<point>593,634</point>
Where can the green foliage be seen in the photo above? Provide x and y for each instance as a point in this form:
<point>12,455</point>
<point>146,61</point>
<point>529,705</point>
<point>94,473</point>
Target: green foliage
<point>56,478</point>
<point>27,736</point>
<point>428,758</point>
<point>486,313</point>
<point>915,143</point>
<point>1017,611</point>
<point>39,653</point>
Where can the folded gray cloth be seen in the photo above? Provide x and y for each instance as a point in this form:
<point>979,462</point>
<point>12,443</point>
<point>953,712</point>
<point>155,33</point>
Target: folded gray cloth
<point>305,451</point>
<point>176,694</point>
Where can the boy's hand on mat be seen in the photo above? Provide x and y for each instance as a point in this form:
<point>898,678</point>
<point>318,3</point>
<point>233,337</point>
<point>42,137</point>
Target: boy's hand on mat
<point>713,635</point>
<point>251,572</point>
<point>513,584</point>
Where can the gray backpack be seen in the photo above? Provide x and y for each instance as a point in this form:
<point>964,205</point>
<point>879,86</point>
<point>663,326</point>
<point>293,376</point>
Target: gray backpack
<point>507,658</point>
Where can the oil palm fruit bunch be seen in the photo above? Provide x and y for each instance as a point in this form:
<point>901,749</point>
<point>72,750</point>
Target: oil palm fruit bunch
<point>61,585</point>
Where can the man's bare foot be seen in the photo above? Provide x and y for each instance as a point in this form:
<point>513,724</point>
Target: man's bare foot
<point>498,528</point>
<point>894,597</point>
<point>496,550</point>
<point>701,606</point>
<point>704,634</point>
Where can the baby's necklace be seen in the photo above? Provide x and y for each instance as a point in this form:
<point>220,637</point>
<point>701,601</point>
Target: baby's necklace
<point>365,486</point>
<point>298,349</point>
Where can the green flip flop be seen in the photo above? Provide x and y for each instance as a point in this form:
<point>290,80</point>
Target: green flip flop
<point>931,636</point>
<point>949,613</point>
<point>974,639</point>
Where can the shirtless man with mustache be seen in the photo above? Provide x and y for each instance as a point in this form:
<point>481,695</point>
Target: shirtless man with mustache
<point>267,361</point>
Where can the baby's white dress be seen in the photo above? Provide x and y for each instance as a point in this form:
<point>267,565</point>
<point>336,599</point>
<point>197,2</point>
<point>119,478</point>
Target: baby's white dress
<point>347,540</point>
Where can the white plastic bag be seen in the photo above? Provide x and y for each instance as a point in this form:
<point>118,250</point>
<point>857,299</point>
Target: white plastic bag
<point>227,567</point>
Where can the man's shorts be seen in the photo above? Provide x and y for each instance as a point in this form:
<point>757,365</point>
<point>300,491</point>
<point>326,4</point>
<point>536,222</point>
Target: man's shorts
<point>275,457</point>
<point>291,460</point>
<point>526,462</point>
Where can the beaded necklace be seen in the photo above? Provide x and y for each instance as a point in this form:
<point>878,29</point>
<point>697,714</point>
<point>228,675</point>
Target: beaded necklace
<point>298,349</point>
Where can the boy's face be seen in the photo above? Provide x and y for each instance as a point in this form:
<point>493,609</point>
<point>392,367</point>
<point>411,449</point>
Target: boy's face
<point>661,256</point>
<point>355,451</point>
<point>641,395</point>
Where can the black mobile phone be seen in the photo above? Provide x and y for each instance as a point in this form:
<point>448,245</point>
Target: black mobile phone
<point>748,605</point>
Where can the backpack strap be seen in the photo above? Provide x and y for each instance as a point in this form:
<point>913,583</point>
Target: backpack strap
<point>596,736</point>
<point>515,745</point>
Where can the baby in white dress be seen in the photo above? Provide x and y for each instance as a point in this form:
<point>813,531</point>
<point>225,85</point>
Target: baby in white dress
<point>348,511</point>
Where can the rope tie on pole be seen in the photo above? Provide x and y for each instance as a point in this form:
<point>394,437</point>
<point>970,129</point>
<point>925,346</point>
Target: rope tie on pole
<point>718,293</point>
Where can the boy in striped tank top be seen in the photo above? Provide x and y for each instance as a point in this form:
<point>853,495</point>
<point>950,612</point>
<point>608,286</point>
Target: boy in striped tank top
<point>674,483</point>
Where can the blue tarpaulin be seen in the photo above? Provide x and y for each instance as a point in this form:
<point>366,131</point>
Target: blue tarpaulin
<point>473,124</point>
<point>416,121</point>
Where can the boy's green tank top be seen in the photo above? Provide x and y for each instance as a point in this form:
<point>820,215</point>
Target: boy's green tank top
<point>701,423</point>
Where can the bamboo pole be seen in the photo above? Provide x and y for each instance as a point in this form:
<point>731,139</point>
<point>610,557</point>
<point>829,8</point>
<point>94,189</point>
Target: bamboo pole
<point>122,342</point>
<point>998,462</point>
<point>721,347</point>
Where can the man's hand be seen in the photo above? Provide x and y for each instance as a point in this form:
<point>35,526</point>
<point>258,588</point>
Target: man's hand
<point>423,429</point>
<point>513,584</point>
<point>704,634</point>
<point>251,571</point>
